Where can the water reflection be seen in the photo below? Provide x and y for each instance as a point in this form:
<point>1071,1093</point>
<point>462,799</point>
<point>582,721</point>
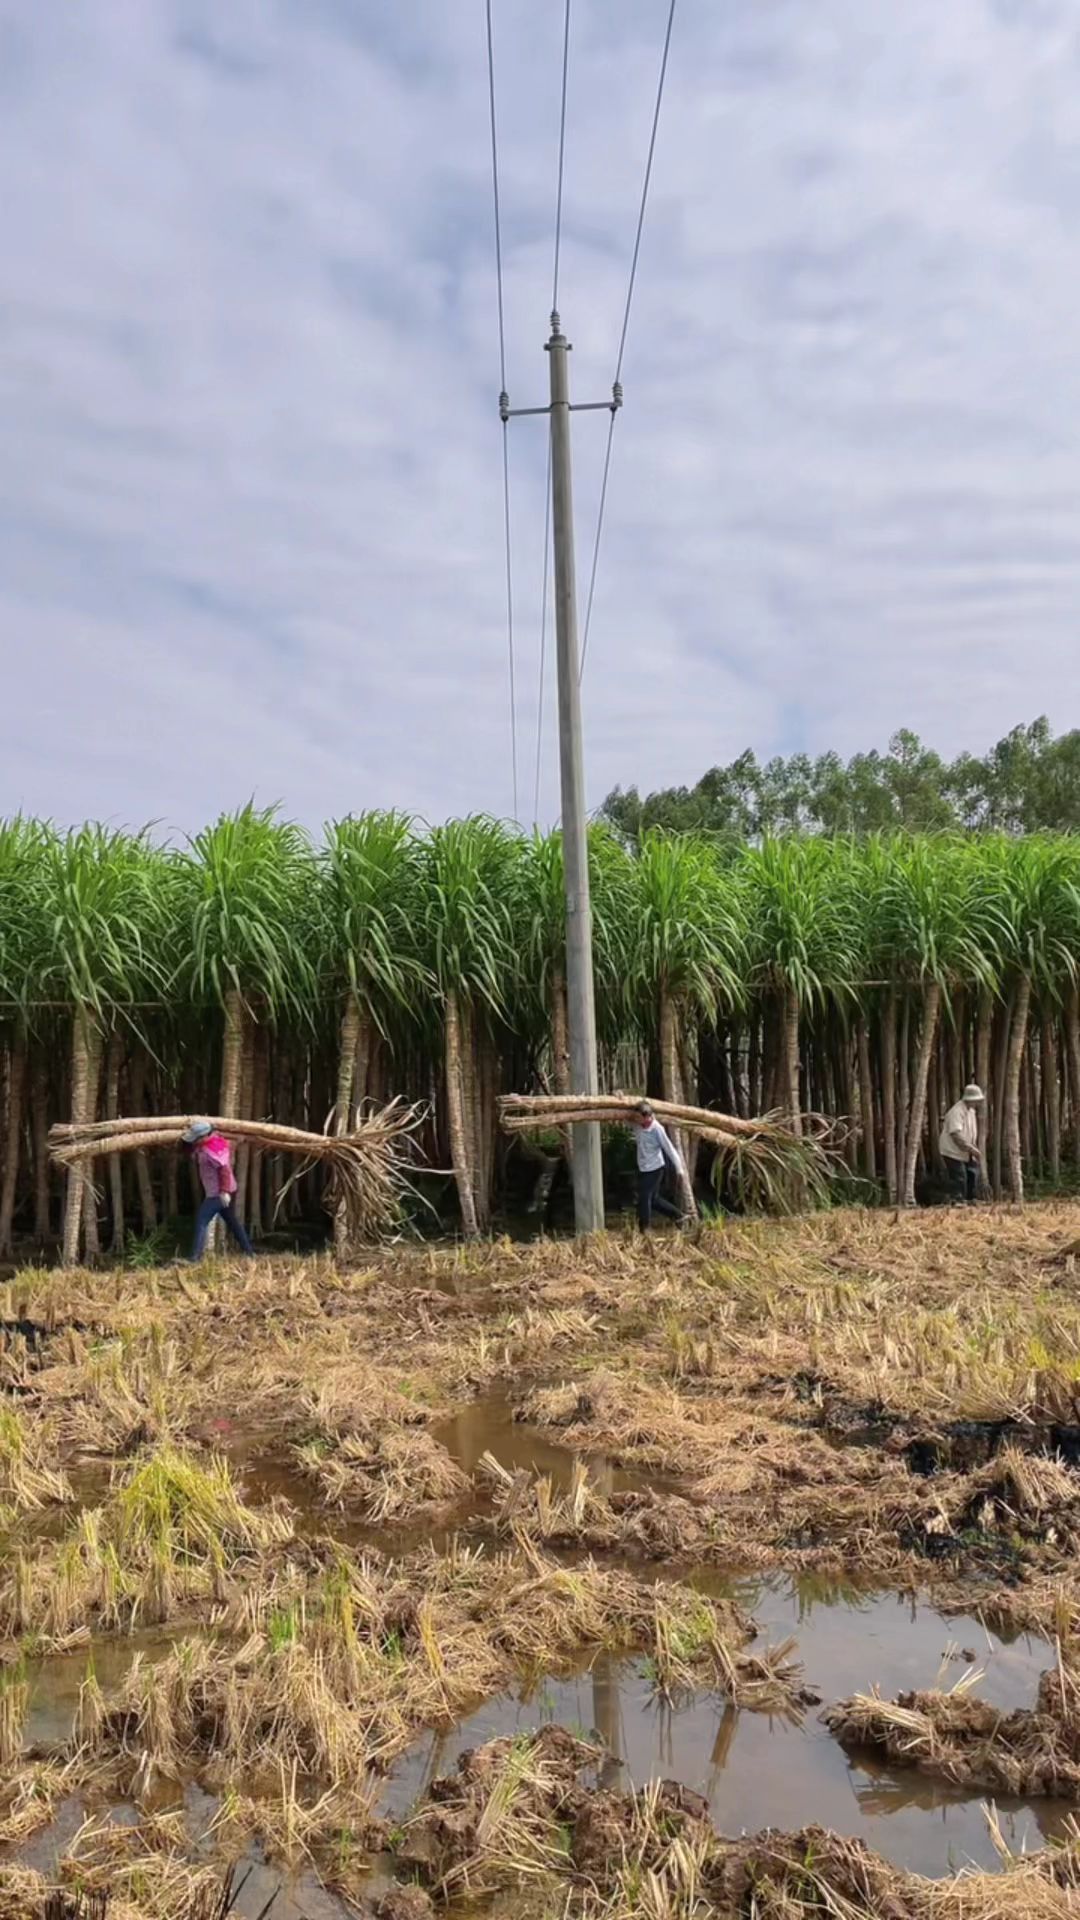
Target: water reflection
<point>755,1770</point>
<point>487,1425</point>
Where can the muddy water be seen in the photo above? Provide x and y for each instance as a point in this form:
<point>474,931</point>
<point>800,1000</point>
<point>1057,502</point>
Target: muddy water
<point>756,1771</point>
<point>487,1425</point>
<point>55,1681</point>
<point>296,1896</point>
<point>753,1771</point>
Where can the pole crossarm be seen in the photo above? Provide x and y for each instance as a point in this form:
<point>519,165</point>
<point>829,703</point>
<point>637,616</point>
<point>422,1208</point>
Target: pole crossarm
<point>507,412</point>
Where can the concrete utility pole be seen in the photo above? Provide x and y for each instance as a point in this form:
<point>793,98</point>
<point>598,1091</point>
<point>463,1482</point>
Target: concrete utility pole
<point>580,993</point>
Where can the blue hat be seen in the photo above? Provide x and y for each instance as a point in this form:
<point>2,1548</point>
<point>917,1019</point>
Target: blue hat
<point>198,1130</point>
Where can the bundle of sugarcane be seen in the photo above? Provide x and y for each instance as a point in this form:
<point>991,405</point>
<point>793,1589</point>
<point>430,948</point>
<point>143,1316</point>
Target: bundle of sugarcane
<point>764,1160</point>
<point>366,1168</point>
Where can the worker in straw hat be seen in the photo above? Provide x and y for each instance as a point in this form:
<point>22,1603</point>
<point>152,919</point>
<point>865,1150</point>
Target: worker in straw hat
<point>959,1144</point>
<point>213,1157</point>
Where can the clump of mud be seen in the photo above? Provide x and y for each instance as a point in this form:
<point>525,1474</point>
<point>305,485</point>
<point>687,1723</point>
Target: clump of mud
<point>1019,1511</point>
<point>644,1521</point>
<point>384,1474</point>
<point>957,1737</point>
<point>528,1811</point>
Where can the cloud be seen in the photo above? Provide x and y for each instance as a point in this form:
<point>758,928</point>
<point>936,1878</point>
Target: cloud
<point>250,522</point>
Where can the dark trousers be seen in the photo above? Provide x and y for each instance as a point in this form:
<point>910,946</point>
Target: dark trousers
<point>214,1208</point>
<point>650,1200</point>
<point>963,1178</point>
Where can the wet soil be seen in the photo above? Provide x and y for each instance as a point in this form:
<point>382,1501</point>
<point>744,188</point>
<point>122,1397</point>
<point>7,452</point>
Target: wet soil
<point>298,1895</point>
<point>756,1771</point>
<point>951,1446</point>
<point>752,1769</point>
<point>488,1425</point>
<point>735,1365</point>
<point>963,1445</point>
<point>483,1426</point>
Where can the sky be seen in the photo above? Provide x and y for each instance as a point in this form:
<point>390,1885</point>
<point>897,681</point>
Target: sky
<point>251,538</point>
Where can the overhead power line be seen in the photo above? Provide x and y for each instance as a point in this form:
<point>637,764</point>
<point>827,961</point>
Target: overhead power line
<point>626,328</point>
<point>562,158</point>
<point>503,406</point>
<point>547,484</point>
<point>645,189</point>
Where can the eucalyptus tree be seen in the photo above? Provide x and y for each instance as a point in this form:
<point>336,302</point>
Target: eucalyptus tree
<point>469,879</point>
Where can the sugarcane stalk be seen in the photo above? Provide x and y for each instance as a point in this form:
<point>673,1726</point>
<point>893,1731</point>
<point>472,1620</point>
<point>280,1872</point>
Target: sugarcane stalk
<point>9,1180</point>
<point>621,1106</point>
<point>176,1123</point>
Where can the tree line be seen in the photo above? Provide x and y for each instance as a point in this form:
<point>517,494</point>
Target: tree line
<point>1028,783</point>
<point>259,972</point>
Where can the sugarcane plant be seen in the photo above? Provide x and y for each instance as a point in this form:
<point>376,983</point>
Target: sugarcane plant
<point>262,975</point>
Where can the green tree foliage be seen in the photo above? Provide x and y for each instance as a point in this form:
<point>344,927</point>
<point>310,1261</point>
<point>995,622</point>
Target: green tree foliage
<point>1028,783</point>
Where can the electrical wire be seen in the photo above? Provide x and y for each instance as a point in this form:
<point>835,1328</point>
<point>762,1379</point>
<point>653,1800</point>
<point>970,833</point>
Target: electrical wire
<point>503,405</point>
<point>495,191</point>
<point>547,485</point>
<point>645,189</point>
<point>596,546</point>
<point>626,328</point>
<point>562,157</point>
<point>510,617</point>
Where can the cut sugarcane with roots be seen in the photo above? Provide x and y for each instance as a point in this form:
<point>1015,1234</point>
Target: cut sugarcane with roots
<point>367,1168</point>
<point>762,1162</point>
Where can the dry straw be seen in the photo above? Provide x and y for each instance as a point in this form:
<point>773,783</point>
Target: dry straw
<point>765,1161</point>
<point>366,1168</point>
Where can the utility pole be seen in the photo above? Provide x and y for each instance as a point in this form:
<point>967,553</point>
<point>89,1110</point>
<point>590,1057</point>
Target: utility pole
<point>580,991</point>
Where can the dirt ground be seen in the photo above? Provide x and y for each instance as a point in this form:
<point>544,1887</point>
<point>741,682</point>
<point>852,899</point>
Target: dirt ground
<point>286,1519</point>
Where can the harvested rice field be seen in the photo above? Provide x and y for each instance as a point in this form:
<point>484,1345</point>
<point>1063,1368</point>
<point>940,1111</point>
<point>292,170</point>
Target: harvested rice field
<point>732,1572</point>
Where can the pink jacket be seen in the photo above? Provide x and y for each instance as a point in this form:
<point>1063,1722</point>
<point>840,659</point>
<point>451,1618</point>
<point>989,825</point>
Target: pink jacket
<point>214,1157</point>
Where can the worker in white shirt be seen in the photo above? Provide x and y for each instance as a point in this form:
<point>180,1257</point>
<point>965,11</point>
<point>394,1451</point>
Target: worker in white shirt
<point>653,1149</point>
<point>959,1143</point>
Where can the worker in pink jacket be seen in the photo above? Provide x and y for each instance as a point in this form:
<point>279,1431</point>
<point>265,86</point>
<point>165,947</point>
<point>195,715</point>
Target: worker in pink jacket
<point>213,1157</point>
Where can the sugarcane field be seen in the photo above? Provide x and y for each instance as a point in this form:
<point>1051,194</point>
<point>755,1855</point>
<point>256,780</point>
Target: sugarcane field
<point>372,1543</point>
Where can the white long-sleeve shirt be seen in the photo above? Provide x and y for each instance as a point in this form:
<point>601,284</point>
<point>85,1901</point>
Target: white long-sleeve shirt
<point>654,1147</point>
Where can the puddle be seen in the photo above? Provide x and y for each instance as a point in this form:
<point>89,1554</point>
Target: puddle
<point>55,1681</point>
<point>753,1770</point>
<point>269,1476</point>
<point>295,1896</point>
<point>851,1640</point>
<point>483,1426</point>
<point>488,1426</point>
<point>756,1771</point>
<point>44,1849</point>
